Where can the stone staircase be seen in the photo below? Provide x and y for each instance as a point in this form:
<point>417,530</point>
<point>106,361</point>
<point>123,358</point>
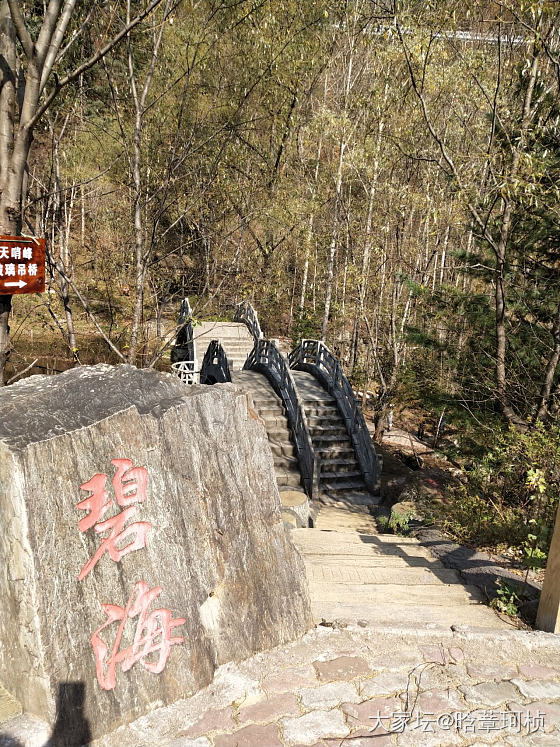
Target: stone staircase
<point>235,338</point>
<point>357,575</point>
<point>340,475</point>
<point>270,408</point>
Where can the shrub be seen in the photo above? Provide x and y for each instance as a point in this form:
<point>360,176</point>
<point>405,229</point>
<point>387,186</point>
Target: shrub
<point>511,496</point>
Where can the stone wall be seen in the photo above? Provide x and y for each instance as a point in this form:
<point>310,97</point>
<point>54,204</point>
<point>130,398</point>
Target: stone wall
<point>178,535</point>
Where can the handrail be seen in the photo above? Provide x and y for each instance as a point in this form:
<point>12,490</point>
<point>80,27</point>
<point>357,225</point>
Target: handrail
<point>245,313</point>
<point>268,360</point>
<point>183,349</point>
<point>215,365</point>
<point>315,357</point>
<point>187,371</point>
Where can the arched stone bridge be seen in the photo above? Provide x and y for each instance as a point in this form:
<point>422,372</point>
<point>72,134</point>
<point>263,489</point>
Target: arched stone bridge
<point>328,475</point>
<point>320,442</point>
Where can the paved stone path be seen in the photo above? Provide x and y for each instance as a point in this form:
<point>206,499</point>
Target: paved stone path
<point>363,687</point>
<point>416,679</point>
<point>356,574</point>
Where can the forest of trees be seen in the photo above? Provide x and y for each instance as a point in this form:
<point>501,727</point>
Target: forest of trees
<point>381,175</point>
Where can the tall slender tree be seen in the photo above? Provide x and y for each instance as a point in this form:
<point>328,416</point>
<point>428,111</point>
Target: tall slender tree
<point>32,74</point>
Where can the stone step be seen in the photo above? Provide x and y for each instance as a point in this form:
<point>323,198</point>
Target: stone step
<point>238,361</point>
<point>203,341</point>
<point>324,440</point>
<point>286,463</point>
<point>260,401</point>
<point>324,553</point>
<point>337,487</point>
<point>327,573</point>
<point>359,576</point>
<point>310,389</point>
<point>275,421</point>
<point>236,343</point>
<point>257,379</point>
<point>381,541</point>
<point>321,410</point>
<point>278,435</point>
<point>340,475</point>
<point>351,499</point>
<point>225,328</point>
<point>364,562</point>
<point>408,615</point>
<point>274,409</point>
<point>327,454</point>
<point>283,449</point>
<point>336,464</point>
<point>375,594</point>
<point>285,478</point>
<point>237,355</point>
<point>318,413</point>
<point>345,517</point>
<point>332,549</point>
<point>336,451</point>
<point>319,432</point>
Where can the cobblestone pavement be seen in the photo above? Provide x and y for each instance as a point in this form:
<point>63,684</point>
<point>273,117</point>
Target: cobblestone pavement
<point>362,687</point>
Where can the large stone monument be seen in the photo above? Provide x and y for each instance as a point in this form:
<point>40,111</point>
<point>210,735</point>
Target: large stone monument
<point>141,543</point>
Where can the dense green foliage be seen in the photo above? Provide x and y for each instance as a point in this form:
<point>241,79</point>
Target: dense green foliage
<point>512,495</point>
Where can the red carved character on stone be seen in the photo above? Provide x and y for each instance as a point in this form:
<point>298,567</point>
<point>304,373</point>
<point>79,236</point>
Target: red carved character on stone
<point>129,486</point>
<point>153,635</point>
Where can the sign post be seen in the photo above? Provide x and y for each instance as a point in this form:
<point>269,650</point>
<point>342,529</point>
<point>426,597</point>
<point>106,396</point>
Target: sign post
<point>548,615</point>
<point>22,265</point>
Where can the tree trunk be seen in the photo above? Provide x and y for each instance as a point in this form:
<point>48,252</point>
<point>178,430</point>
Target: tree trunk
<point>552,365</point>
<point>501,251</point>
<point>332,246</point>
<point>7,103</point>
<point>16,127</point>
<point>62,218</point>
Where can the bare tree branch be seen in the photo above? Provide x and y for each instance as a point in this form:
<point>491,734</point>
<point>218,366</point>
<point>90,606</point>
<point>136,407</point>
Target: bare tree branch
<point>56,41</point>
<point>47,30</point>
<point>21,29</point>
<point>94,59</point>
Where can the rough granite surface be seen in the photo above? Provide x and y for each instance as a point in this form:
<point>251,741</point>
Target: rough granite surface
<point>216,545</point>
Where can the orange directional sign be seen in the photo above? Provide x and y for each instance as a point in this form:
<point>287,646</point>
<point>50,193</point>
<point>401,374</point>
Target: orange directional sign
<point>22,265</point>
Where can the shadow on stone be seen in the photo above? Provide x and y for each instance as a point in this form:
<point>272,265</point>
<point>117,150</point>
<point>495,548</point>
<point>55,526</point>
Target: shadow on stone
<point>71,728</point>
<point>6,741</point>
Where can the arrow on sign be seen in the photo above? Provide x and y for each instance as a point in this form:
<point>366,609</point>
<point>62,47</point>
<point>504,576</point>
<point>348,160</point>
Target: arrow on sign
<point>19,284</point>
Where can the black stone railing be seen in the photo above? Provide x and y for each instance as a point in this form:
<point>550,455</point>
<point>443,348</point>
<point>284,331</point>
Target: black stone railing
<point>183,349</point>
<point>315,357</point>
<point>246,314</point>
<point>215,365</point>
<point>268,360</point>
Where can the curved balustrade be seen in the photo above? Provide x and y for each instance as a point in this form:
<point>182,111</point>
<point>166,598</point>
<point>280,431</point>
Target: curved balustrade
<point>183,349</point>
<point>315,357</point>
<point>215,365</point>
<point>246,314</point>
<point>187,371</point>
<point>268,360</point>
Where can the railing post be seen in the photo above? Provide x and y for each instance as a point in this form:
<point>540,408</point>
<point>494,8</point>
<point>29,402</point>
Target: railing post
<point>328,369</point>
<point>266,358</point>
<point>246,314</point>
